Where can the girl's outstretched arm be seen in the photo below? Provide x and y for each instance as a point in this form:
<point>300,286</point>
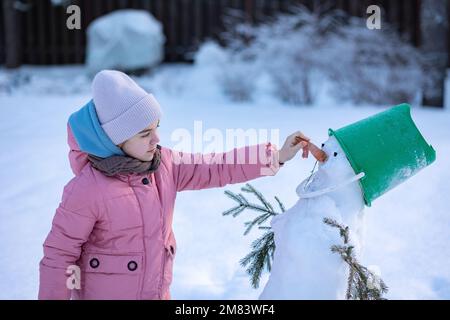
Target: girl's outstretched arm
<point>201,171</point>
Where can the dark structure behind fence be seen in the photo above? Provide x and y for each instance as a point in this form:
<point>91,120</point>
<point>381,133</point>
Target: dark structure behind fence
<point>35,32</point>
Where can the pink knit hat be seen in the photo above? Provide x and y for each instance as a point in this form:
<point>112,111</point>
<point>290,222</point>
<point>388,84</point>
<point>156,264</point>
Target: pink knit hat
<point>123,107</point>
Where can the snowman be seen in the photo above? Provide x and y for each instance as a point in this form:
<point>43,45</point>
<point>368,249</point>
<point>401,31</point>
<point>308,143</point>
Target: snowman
<point>304,266</point>
<point>358,163</point>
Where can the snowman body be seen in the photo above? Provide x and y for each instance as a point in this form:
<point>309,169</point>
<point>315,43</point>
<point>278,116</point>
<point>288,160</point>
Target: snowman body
<point>304,266</point>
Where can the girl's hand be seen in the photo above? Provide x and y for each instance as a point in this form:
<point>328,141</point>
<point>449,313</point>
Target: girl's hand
<point>297,141</point>
<point>292,145</point>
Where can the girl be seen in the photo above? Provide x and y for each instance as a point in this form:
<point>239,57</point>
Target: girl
<point>111,236</point>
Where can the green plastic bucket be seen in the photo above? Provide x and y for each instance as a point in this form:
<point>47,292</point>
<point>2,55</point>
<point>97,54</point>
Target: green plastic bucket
<point>387,147</point>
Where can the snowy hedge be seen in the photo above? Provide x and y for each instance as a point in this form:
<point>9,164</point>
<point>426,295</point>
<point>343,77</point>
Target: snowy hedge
<point>298,55</point>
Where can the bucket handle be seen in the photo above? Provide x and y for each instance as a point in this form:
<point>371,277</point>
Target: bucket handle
<point>316,193</point>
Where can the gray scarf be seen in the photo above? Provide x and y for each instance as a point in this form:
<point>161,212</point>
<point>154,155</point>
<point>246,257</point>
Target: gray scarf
<point>125,164</point>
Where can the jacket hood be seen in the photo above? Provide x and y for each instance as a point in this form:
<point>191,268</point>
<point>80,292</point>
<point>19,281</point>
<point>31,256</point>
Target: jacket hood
<point>89,135</point>
<point>77,158</point>
<point>86,136</point>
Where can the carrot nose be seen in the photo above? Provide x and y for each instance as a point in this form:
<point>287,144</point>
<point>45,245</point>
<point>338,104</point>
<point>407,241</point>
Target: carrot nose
<point>319,154</point>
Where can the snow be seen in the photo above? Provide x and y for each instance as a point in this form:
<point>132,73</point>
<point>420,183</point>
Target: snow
<point>304,266</point>
<point>407,230</point>
<point>126,40</point>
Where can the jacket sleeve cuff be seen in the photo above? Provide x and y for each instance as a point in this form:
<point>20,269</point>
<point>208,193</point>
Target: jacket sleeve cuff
<point>272,164</point>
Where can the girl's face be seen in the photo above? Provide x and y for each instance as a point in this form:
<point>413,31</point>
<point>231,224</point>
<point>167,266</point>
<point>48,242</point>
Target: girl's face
<point>142,146</point>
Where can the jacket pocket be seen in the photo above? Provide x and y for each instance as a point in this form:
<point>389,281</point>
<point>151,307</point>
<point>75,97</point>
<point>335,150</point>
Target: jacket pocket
<point>171,245</point>
<point>170,252</point>
<point>111,276</point>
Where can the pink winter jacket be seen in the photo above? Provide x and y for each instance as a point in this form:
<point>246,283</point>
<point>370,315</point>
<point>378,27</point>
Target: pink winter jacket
<point>118,230</point>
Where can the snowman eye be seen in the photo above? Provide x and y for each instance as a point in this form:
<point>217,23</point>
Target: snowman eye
<point>335,154</point>
<point>323,145</point>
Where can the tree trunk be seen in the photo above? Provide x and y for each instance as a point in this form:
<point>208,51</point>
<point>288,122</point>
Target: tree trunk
<point>434,41</point>
<point>13,46</point>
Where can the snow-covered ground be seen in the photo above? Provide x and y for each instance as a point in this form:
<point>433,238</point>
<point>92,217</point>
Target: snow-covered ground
<point>408,229</point>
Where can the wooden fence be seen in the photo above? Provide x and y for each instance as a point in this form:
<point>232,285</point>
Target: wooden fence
<point>39,28</point>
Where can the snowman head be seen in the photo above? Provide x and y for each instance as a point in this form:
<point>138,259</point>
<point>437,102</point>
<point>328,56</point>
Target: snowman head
<point>337,167</point>
<point>336,179</point>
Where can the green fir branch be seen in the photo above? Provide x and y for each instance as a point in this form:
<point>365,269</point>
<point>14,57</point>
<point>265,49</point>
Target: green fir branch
<point>261,255</point>
<point>362,284</point>
<point>280,204</point>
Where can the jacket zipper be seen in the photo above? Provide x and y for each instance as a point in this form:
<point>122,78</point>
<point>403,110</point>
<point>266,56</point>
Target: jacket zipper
<point>144,260</point>
<point>162,273</point>
<point>163,264</point>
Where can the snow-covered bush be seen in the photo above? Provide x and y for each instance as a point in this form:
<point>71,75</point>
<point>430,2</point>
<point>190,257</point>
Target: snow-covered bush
<point>284,49</point>
<point>127,40</point>
<point>290,48</point>
<point>302,50</point>
<point>234,75</point>
<point>375,66</point>
<point>238,81</point>
<point>239,73</point>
